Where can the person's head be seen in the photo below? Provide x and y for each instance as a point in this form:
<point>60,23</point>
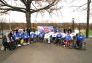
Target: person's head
<point>77,34</point>
<point>4,36</point>
<point>69,28</point>
<point>81,33</point>
<point>11,31</point>
<point>23,30</point>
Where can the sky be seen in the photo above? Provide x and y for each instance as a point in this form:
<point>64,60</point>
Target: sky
<point>64,15</point>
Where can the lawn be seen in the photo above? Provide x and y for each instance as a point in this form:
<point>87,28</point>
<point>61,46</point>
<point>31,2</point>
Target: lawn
<point>90,32</point>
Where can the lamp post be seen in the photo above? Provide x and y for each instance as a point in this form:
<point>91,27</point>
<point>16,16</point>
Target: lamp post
<point>73,24</point>
<point>2,27</point>
<point>79,27</point>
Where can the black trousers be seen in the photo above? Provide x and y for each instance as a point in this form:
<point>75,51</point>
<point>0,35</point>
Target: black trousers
<point>6,46</point>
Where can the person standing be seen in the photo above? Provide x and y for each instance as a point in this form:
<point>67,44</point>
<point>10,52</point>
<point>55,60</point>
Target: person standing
<point>65,30</point>
<point>5,43</point>
<point>69,30</point>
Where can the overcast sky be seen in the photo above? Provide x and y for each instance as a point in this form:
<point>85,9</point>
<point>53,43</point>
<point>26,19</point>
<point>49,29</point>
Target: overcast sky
<point>67,12</point>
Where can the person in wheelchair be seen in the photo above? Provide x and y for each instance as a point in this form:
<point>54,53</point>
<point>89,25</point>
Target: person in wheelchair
<point>79,41</point>
<point>68,40</point>
<point>41,37</point>
<point>58,38</point>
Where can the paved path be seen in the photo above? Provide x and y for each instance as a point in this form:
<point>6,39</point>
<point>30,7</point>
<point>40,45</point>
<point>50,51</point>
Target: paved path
<point>49,53</point>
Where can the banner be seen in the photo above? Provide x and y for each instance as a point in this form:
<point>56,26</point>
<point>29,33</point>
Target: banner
<point>45,29</point>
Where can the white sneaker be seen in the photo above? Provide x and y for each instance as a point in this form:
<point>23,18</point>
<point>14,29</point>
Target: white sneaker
<point>24,43</point>
<point>28,43</point>
<point>19,45</point>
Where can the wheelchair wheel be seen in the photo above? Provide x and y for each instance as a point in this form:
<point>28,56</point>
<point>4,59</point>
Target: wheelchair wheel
<point>84,45</point>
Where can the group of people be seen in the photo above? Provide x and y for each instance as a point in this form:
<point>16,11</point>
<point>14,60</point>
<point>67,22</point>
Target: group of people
<point>19,37</point>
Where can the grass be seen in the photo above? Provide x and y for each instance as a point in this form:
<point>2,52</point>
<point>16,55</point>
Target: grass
<point>90,32</point>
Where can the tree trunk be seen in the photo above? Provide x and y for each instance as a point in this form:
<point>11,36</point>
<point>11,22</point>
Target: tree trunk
<point>28,20</point>
<point>28,14</point>
<point>88,15</point>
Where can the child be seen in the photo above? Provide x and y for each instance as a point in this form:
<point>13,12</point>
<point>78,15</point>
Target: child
<point>80,39</point>
<point>5,43</point>
<point>68,40</point>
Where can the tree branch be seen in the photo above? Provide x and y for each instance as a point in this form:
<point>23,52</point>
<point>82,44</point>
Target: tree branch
<point>80,5</point>
<point>5,11</point>
<point>44,8</point>
<point>23,1</point>
<point>4,3</point>
<point>34,6</point>
<point>10,9</point>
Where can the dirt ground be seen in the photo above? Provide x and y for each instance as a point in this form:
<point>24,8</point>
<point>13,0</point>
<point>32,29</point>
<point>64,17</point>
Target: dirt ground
<point>47,53</point>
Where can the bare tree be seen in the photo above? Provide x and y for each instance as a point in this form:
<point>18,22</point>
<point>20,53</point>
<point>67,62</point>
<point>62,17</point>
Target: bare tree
<point>26,7</point>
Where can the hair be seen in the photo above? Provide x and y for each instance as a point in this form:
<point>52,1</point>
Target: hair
<point>4,36</point>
